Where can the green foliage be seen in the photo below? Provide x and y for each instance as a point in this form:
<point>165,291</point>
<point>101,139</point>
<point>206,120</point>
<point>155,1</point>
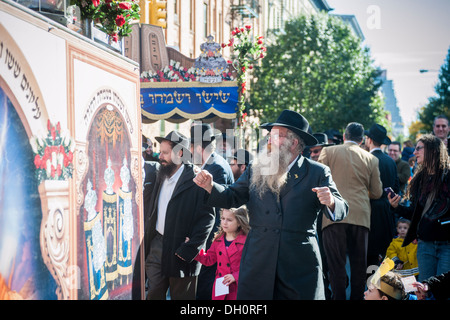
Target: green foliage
<point>439,104</point>
<point>319,68</point>
<point>247,51</point>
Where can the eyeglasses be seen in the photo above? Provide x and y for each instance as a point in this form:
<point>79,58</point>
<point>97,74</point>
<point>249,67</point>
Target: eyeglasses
<point>275,136</point>
<point>418,148</point>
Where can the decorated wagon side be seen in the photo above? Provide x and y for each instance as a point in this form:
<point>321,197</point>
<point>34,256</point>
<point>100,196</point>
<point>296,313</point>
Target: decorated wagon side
<point>71,223</point>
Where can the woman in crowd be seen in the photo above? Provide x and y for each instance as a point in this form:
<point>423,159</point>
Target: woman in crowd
<point>429,192</point>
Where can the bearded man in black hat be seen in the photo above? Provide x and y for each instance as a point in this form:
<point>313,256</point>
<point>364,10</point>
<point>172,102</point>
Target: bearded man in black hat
<point>382,222</point>
<point>176,211</point>
<point>284,193</point>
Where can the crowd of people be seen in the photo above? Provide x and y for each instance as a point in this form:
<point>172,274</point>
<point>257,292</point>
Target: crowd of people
<point>288,221</point>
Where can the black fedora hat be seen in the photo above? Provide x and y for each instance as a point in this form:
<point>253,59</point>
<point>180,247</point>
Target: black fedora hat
<point>293,121</point>
<point>242,156</point>
<point>203,132</point>
<point>335,136</point>
<point>177,138</point>
<point>378,133</point>
<point>322,139</point>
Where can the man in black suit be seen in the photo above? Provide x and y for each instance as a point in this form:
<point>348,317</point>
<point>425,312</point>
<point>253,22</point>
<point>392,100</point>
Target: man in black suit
<point>284,193</point>
<point>203,145</point>
<point>382,228</point>
<point>176,211</point>
<point>151,169</point>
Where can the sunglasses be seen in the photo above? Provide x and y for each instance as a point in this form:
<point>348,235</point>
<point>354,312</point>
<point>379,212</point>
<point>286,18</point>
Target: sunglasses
<point>418,148</point>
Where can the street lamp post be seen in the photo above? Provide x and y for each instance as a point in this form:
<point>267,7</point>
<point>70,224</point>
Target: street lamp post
<point>428,70</point>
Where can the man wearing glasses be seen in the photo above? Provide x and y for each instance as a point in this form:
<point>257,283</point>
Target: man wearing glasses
<point>315,150</point>
<point>284,193</point>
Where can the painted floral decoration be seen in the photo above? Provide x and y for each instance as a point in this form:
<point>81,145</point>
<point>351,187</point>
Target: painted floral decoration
<point>111,16</point>
<point>53,154</point>
<point>247,50</point>
<point>174,72</point>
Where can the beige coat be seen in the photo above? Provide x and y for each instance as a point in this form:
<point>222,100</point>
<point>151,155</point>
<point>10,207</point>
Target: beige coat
<point>357,177</point>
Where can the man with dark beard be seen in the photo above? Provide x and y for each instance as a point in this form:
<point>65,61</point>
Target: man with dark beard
<point>176,211</point>
<point>284,193</point>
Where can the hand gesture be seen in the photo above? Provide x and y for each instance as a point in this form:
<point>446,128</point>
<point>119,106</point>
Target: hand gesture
<point>204,180</point>
<point>422,290</point>
<point>394,201</point>
<point>228,279</point>
<point>325,196</point>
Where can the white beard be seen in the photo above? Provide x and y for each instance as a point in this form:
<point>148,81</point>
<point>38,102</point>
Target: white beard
<point>270,169</point>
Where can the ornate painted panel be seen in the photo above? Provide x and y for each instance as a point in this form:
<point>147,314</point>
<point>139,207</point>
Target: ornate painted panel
<point>70,166</point>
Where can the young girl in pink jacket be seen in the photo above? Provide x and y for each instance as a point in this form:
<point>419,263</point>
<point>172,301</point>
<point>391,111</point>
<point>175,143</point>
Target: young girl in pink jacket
<point>226,250</point>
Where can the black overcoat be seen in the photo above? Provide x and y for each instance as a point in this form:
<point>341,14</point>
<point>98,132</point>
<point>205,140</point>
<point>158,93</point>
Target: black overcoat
<point>281,258</point>
<point>187,216</point>
<point>382,227</point>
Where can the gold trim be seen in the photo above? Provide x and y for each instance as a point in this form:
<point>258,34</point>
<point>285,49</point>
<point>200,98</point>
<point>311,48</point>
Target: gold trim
<point>88,225</point>
<point>183,114</point>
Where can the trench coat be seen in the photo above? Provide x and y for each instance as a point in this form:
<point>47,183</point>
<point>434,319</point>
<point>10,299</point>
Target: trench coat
<point>228,262</point>
<point>281,258</point>
<point>187,216</point>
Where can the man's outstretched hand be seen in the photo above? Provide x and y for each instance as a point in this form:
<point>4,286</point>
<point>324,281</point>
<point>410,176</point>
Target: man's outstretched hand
<point>204,180</point>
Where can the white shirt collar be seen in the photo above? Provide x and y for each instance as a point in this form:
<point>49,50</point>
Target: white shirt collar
<point>375,149</point>
<point>176,175</point>
<point>292,163</point>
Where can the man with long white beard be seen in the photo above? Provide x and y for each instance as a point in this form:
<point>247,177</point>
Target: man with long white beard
<point>284,193</point>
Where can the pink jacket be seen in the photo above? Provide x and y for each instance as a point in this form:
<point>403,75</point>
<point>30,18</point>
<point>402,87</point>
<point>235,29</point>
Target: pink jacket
<point>228,262</point>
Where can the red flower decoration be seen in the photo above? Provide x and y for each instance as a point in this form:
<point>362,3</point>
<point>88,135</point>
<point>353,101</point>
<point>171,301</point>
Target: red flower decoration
<point>53,133</point>
<point>120,20</point>
<point>115,37</point>
<point>125,5</point>
<point>37,161</point>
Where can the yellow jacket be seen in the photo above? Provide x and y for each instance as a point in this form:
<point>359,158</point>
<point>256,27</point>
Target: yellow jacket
<point>407,254</point>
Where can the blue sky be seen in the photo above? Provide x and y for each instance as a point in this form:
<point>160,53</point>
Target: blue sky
<point>404,36</point>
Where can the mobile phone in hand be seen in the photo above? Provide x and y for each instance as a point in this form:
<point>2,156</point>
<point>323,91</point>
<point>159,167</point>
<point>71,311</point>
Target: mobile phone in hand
<point>389,190</point>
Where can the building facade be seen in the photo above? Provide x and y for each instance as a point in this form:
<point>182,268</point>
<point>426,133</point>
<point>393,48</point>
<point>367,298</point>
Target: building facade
<point>190,22</point>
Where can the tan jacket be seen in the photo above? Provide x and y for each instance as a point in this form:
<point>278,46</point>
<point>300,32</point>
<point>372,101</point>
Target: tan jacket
<point>357,177</point>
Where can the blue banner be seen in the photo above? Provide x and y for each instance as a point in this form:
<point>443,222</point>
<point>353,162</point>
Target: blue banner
<point>189,100</point>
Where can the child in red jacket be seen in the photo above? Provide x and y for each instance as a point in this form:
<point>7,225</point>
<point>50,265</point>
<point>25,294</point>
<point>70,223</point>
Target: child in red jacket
<point>226,250</point>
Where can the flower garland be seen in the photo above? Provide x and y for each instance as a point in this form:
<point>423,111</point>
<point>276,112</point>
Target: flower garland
<point>247,52</point>
<point>53,154</point>
<point>174,72</point>
<point>114,17</point>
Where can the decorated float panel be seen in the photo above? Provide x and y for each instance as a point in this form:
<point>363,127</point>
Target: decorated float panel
<point>70,164</point>
<point>177,88</point>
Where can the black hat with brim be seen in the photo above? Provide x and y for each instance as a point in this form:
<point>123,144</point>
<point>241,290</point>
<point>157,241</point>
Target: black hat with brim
<point>242,156</point>
<point>322,139</point>
<point>203,132</point>
<point>177,138</point>
<point>295,122</point>
<point>378,133</point>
